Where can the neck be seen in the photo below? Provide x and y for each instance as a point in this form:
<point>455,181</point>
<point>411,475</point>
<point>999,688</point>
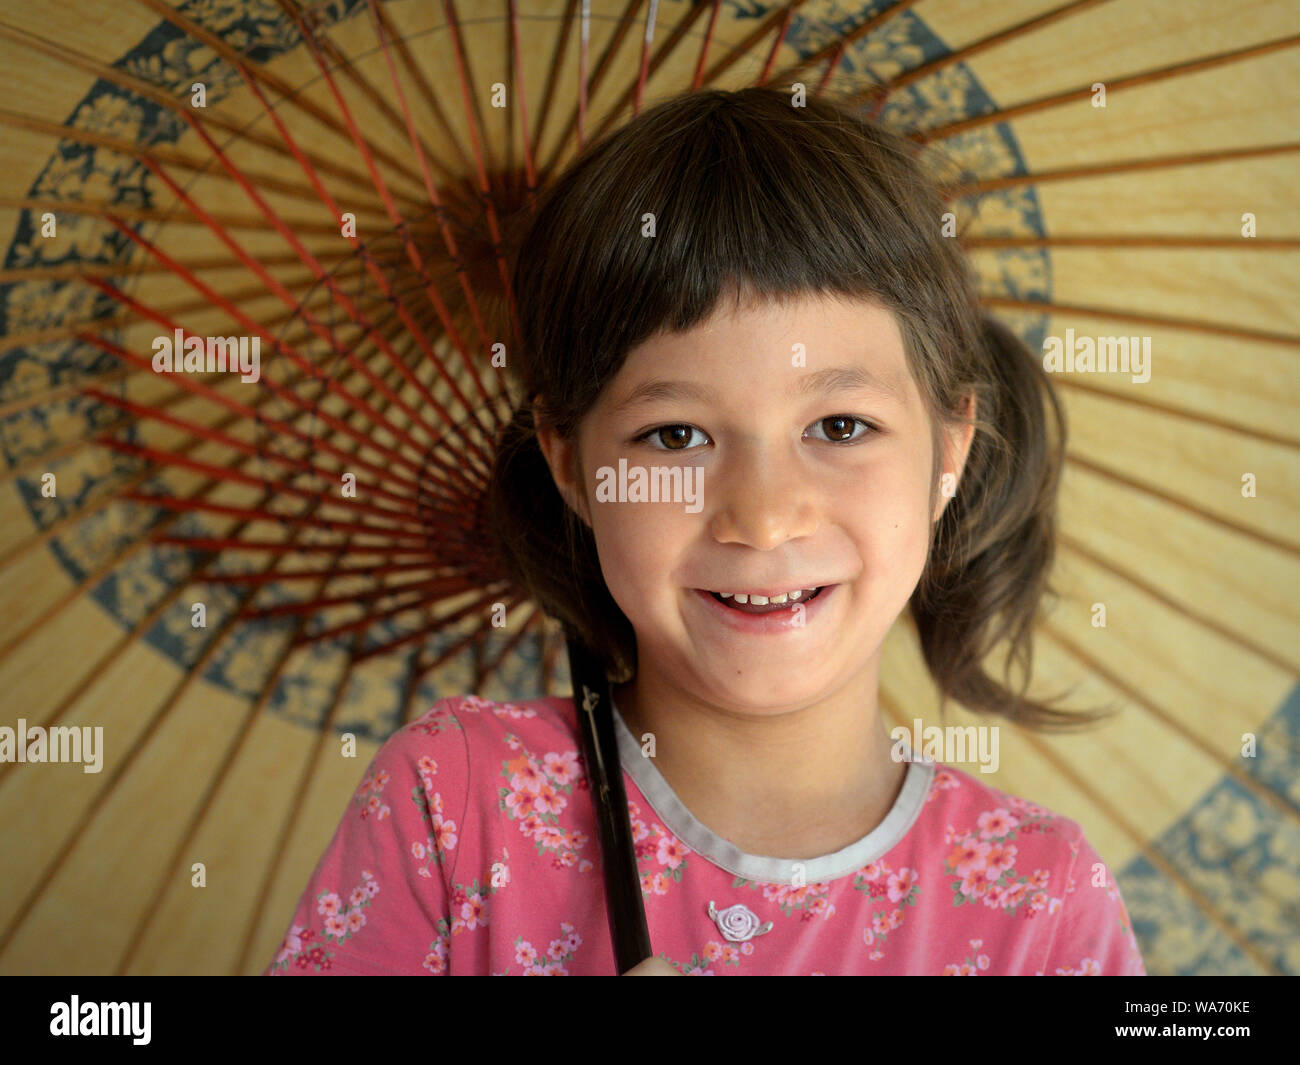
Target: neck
<point>791,782</point>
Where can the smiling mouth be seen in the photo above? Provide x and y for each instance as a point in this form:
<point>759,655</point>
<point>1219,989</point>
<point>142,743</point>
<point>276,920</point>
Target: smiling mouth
<point>745,604</point>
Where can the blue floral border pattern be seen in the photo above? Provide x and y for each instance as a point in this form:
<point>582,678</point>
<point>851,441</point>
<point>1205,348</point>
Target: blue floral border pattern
<point>1227,845</point>
<point>1243,855</point>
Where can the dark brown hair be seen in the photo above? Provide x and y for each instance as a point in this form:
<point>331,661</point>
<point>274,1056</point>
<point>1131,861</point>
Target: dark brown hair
<point>754,195</point>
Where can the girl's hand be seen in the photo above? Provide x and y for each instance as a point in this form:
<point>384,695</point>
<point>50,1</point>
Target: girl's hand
<point>652,967</point>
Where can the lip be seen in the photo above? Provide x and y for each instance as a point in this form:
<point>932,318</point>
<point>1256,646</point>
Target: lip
<point>765,624</point>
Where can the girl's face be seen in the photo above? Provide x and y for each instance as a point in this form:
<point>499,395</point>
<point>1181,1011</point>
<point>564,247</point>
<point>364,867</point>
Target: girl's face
<point>804,440</point>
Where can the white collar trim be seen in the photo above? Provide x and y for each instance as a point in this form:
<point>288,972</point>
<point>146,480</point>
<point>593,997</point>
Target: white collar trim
<point>683,824</point>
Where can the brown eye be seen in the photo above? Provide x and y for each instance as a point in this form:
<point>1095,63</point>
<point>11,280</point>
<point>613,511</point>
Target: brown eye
<point>842,429</point>
<point>838,428</point>
<point>673,437</point>
<point>670,437</point>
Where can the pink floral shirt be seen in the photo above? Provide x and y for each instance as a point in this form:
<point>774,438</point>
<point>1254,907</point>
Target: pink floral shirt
<point>470,848</point>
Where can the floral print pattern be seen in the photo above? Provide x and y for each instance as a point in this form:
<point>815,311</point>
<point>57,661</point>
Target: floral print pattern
<point>341,921</point>
<point>982,863</point>
<point>660,856</point>
<point>558,954</point>
<point>882,884</point>
<point>1014,887</point>
<point>537,794</point>
<point>368,797</point>
<point>440,839</point>
<point>973,964</point>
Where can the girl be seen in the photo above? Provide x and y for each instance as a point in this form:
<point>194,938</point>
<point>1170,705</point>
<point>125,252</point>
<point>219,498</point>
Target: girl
<point>749,307</point>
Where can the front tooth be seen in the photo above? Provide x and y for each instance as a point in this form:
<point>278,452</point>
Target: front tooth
<point>778,598</point>
<point>758,600</point>
<point>741,597</point>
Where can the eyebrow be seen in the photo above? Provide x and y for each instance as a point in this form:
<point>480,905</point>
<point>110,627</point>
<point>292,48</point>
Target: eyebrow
<point>823,382</point>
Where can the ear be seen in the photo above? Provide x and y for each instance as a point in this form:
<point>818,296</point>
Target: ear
<point>562,457</point>
<point>956,447</point>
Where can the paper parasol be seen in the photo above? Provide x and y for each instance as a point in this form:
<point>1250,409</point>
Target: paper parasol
<point>1126,170</point>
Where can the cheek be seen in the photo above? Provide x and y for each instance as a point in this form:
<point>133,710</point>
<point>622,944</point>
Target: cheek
<point>891,511</point>
<point>634,543</point>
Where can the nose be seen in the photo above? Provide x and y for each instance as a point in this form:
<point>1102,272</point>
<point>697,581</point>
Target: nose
<point>762,499</point>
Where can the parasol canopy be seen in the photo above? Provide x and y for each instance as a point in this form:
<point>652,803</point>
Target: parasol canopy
<point>235,571</point>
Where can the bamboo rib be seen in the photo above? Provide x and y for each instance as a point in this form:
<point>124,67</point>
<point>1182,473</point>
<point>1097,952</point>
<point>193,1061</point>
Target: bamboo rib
<point>1281,803</point>
<point>516,84</point>
<point>484,667</point>
<point>135,546</point>
<point>427,665</point>
<point>1200,617</point>
<point>563,37</point>
<point>293,399</point>
<point>1135,240</point>
<point>587,85</point>
<point>470,99</point>
<point>145,214</point>
<point>95,383</point>
<point>649,67</point>
<point>1183,504</point>
<point>205,803</point>
<point>775,20</point>
<point>170,156</point>
<point>289,299</point>
<point>315,35</point>
<point>392,612</point>
<point>87,508</point>
<point>964,53</point>
<point>781,31</point>
<point>298,801</point>
<point>1146,77</point>
<point>71,329</point>
<point>348,304</point>
<point>834,50</point>
<point>1123,166</point>
<point>1119,315</point>
<point>386,518</point>
<point>129,270</point>
<point>384,32</point>
<point>439,586</point>
<point>115,774</point>
<point>510,600</point>
<point>1199,417</point>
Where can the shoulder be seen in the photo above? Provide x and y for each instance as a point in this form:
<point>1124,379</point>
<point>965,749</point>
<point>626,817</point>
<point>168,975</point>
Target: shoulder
<point>975,807</point>
<point>1002,845</point>
<point>474,723</point>
<point>1023,852</point>
<point>444,769</point>
<point>460,735</point>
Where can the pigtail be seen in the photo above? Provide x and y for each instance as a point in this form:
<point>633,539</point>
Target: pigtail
<point>995,543</point>
<point>547,551</point>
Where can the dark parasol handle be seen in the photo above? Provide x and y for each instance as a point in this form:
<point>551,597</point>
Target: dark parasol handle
<point>623,901</point>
